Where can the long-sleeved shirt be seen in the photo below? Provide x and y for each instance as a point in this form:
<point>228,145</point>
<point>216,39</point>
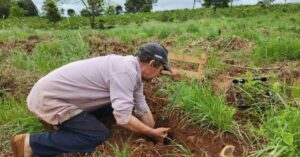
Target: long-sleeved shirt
<point>88,85</point>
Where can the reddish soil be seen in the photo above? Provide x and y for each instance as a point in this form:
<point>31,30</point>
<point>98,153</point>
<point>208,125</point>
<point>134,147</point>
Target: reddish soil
<point>15,81</point>
<point>103,45</point>
<point>184,65</point>
<point>27,45</point>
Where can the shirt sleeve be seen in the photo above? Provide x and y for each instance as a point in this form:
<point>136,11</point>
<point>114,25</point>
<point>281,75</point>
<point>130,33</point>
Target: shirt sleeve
<point>121,96</point>
<point>141,105</point>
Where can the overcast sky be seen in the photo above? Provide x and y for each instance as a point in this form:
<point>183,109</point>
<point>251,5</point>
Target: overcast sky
<point>160,5</point>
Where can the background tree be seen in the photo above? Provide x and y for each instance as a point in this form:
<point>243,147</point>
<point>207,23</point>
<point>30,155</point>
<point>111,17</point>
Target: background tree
<point>71,12</point>
<point>62,11</point>
<point>84,12</point>
<point>110,10</point>
<point>29,6</point>
<point>216,4</point>
<point>16,11</point>
<point>94,8</point>
<point>51,11</point>
<point>4,8</point>
<point>118,9</point>
<point>265,3</point>
<point>134,6</point>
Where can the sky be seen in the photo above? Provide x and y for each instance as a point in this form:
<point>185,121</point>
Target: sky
<point>160,5</point>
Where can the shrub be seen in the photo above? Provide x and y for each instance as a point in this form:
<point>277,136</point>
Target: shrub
<point>17,11</point>
<point>51,10</point>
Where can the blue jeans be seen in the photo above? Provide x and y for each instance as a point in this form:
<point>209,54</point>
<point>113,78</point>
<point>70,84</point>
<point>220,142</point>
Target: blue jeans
<point>81,133</point>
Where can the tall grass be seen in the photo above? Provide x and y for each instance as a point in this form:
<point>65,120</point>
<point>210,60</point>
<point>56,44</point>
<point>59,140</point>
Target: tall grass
<point>202,107</point>
<point>278,49</point>
<point>66,46</point>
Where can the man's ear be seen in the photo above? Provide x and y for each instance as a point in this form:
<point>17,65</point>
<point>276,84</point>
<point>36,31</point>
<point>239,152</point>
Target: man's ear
<point>152,62</point>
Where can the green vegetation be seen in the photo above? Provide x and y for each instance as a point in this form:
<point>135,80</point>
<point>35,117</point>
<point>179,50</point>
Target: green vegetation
<point>251,36</point>
<point>51,10</point>
<point>281,129</point>
<point>279,49</point>
<point>201,107</point>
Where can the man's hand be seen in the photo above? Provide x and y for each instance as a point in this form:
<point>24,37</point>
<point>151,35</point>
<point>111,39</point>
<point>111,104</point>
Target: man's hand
<point>160,132</point>
<point>136,125</point>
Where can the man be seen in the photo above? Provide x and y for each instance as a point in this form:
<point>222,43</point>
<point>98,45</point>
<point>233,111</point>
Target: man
<point>71,98</point>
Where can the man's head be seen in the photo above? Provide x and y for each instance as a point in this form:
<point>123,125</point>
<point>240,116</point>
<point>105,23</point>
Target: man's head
<point>153,58</point>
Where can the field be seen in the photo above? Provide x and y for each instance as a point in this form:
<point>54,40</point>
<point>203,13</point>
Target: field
<point>246,96</point>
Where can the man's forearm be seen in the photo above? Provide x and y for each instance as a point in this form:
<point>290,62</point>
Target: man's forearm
<point>147,119</point>
<point>136,125</point>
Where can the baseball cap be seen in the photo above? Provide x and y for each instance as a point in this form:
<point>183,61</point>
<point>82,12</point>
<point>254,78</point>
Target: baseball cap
<point>157,52</point>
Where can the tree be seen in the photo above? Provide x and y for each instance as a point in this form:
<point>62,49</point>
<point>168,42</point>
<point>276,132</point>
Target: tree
<point>94,8</point>
<point>265,3</point>
<point>51,11</point>
<point>134,6</point>
<point>71,12</point>
<point>62,11</point>
<point>29,6</point>
<point>4,8</point>
<point>17,11</point>
<point>216,4</point>
<point>118,9</point>
<point>85,12</point>
<point>110,10</point>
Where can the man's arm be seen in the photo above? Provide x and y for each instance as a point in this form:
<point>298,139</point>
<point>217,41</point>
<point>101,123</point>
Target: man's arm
<point>148,119</point>
<point>136,125</point>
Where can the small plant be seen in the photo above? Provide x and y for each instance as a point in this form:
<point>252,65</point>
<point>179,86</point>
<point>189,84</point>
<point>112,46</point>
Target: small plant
<point>119,152</point>
<point>252,92</point>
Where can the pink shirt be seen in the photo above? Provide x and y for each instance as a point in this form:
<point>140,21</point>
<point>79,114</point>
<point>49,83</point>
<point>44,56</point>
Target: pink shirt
<point>87,85</point>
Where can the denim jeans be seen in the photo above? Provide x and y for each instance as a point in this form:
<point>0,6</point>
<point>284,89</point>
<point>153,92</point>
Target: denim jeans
<point>81,133</point>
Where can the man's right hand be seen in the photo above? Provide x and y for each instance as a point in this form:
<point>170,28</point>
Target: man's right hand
<point>136,125</point>
<point>160,132</point>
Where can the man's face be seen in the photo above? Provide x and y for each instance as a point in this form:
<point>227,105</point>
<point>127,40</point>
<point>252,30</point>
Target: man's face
<point>151,71</point>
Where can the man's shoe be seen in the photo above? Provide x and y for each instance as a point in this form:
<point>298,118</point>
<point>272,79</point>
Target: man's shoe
<point>17,145</point>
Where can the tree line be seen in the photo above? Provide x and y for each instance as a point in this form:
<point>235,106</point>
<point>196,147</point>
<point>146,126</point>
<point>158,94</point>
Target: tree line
<point>95,8</point>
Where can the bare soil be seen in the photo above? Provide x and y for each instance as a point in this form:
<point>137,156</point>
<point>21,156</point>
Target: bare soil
<point>103,45</point>
<point>27,45</point>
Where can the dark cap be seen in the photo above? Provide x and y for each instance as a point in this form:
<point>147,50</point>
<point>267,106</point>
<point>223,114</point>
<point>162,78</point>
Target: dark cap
<point>157,52</point>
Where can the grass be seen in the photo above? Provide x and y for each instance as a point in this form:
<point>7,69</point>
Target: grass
<point>201,107</point>
<point>15,119</point>
<point>274,32</point>
<point>282,132</point>
<point>61,48</point>
<point>278,49</point>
